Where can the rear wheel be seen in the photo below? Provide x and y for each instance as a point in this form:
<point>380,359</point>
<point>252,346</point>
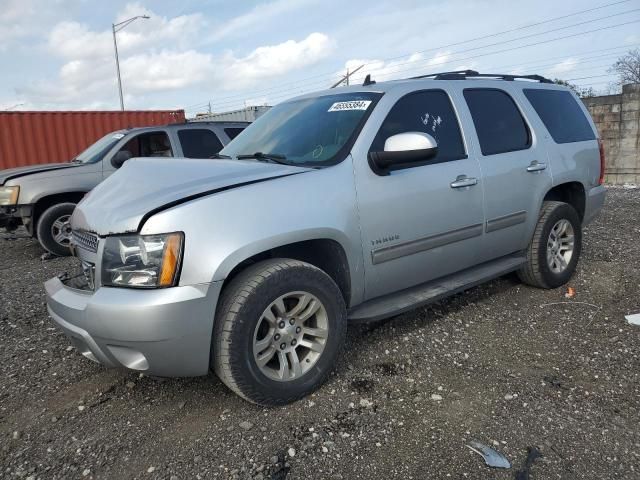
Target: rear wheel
<point>555,248</point>
<point>279,329</point>
<point>54,230</point>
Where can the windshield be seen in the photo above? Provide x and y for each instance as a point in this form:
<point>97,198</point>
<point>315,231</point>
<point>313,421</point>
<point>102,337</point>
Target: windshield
<point>311,131</point>
<point>96,151</point>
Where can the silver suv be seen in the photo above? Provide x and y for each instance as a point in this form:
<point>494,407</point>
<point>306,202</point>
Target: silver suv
<point>346,205</point>
<point>42,197</point>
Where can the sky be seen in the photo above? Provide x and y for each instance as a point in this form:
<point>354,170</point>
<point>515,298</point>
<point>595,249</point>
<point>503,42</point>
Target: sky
<point>224,55</point>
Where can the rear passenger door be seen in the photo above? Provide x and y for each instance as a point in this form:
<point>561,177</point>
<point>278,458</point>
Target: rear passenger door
<point>198,142</point>
<point>514,168</point>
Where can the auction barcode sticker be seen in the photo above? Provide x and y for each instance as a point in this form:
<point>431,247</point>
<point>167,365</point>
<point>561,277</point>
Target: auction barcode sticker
<point>352,105</point>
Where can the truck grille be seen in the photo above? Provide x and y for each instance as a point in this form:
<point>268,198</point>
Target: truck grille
<point>85,240</point>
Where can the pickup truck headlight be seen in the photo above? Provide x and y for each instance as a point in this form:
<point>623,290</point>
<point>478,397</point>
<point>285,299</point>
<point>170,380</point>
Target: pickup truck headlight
<point>142,261</point>
<point>9,195</point>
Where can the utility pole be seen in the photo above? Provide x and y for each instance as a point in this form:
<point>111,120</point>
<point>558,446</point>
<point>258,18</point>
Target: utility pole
<point>116,27</point>
<point>345,79</point>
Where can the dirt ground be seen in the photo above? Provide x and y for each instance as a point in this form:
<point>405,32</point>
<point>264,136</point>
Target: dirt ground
<point>508,365</point>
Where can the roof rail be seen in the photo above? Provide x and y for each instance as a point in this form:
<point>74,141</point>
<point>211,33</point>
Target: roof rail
<point>464,74</point>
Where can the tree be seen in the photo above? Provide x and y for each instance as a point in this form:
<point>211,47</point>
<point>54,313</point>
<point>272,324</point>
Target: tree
<point>628,67</point>
<point>582,92</point>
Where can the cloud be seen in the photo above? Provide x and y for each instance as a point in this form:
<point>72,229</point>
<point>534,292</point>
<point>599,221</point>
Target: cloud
<point>562,67</point>
<point>259,16</point>
<point>20,19</point>
<point>381,70</point>
<point>275,60</point>
<point>93,77</point>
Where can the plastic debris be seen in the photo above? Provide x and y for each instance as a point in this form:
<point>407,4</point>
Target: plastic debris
<point>571,292</point>
<point>532,454</point>
<point>633,319</point>
<point>491,457</point>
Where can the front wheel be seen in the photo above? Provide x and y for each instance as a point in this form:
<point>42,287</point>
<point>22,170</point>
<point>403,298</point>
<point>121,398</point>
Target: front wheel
<point>54,230</point>
<point>555,248</point>
<point>279,329</point>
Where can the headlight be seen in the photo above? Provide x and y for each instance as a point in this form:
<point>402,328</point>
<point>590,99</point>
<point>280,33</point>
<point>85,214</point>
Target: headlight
<point>9,195</point>
<point>142,261</point>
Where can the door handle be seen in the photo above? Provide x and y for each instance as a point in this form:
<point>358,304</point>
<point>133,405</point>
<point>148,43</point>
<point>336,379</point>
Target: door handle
<point>463,181</point>
<point>535,166</point>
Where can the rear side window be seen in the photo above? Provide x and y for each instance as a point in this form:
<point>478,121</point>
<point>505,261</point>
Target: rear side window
<point>233,132</point>
<point>199,143</point>
<point>428,111</point>
<point>561,114</point>
<point>499,123</point>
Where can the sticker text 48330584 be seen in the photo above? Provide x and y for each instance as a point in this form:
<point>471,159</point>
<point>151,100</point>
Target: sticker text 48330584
<point>352,105</point>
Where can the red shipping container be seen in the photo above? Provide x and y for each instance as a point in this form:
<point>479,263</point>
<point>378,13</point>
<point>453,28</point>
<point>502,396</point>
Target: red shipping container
<point>28,138</point>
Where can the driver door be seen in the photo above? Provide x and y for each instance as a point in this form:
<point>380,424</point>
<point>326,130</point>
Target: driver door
<point>147,144</point>
<point>420,222</point>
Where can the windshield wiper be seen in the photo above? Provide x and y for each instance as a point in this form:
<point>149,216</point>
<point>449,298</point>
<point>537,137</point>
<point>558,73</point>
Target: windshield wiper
<point>220,155</point>
<point>274,157</point>
<point>75,160</point>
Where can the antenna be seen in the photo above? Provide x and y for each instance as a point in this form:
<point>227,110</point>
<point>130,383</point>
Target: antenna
<point>368,81</point>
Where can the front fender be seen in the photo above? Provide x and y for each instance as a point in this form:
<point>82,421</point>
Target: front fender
<point>224,229</point>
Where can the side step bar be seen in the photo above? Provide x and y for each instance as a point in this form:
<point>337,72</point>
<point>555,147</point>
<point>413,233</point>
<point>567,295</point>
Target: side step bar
<point>420,295</point>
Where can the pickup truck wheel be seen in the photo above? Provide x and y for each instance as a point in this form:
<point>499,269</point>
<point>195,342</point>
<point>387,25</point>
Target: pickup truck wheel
<point>54,231</point>
<point>279,329</point>
<point>554,250</point>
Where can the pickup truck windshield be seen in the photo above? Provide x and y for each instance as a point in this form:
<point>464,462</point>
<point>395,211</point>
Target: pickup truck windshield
<point>312,131</point>
<point>96,151</point>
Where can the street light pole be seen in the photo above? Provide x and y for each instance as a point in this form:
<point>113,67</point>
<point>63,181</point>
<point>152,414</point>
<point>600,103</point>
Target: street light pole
<point>116,27</point>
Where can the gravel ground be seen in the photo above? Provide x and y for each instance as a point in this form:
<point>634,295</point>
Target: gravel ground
<point>508,365</point>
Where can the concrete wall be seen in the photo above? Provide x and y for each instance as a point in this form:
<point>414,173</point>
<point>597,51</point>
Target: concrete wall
<point>618,120</point>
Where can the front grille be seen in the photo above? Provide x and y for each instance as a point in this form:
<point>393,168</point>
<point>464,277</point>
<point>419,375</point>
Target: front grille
<point>85,240</point>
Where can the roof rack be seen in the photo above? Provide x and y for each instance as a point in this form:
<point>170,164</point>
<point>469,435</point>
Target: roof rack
<point>464,74</point>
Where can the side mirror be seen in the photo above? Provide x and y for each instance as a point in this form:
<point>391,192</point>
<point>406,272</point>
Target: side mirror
<point>403,150</point>
<point>119,158</point>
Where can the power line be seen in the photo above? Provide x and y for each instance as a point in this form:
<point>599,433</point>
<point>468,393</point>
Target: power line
<point>430,63</point>
<point>332,74</point>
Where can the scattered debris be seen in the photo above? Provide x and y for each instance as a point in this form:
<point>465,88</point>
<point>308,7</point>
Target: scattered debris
<point>633,319</point>
<point>491,457</point>
<point>280,469</point>
<point>47,256</point>
<point>435,397</point>
<point>246,425</point>
<point>532,454</point>
<point>571,292</point>
<point>365,403</point>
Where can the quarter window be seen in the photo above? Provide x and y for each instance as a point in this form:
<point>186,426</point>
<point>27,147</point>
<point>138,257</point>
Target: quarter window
<point>561,114</point>
<point>428,111</point>
<point>498,122</point>
<point>199,143</point>
<point>233,132</point>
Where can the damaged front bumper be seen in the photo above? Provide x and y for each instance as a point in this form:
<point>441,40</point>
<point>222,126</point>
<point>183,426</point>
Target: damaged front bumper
<point>165,332</point>
<point>11,217</point>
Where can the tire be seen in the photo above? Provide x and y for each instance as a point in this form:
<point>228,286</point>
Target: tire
<point>241,322</point>
<point>50,222</point>
<point>538,271</point>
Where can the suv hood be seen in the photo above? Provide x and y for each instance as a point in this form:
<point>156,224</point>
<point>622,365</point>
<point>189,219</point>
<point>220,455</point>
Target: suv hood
<point>145,186</point>
<point>12,173</point>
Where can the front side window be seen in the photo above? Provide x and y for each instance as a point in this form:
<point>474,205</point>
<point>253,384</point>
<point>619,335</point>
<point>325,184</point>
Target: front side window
<point>151,144</point>
<point>199,142</point>
<point>561,114</point>
<point>428,111</point>
<point>498,122</point>
<point>313,132</point>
